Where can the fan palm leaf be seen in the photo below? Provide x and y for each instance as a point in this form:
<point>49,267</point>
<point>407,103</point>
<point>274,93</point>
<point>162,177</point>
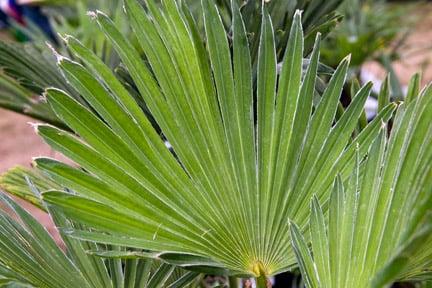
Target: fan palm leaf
<point>29,68</point>
<point>31,258</point>
<point>17,181</point>
<point>238,168</point>
<point>26,72</point>
<point>379,224</point>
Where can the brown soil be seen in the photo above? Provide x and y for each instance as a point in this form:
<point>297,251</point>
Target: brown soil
<point>19,141</point>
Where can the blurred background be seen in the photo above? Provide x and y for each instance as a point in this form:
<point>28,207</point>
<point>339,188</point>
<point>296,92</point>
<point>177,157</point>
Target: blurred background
<point>389,41</point>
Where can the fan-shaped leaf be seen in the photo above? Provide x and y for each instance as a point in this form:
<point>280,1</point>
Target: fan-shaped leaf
<point>379,225</point>
<point>237,170</point>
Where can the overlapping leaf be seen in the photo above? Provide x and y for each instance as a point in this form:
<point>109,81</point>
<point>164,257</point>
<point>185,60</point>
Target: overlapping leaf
<point>238,168</point>
<point>26,72</point>
<point>29,68</point>
<point>30,258</point>
<point>318,16</point>
<point>19,180</point>
<point>379,225</point>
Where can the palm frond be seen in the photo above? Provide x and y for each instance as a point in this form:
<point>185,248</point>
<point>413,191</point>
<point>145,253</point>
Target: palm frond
<point>19,181</point>
<point>29,251</point>
<point>29,68</point>
<point>238,168</point>
<point>26,72</point>
<point>19,99</point>
<point>31,258</point>
<point>35,69</point>
<point>379,224</point>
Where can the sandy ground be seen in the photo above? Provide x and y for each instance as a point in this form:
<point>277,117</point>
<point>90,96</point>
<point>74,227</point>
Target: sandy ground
<point>19,143</point>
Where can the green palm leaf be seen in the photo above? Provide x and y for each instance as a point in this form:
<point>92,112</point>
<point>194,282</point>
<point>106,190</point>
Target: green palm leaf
<point>30,252</point>
<point>29,68</point>
<point>26,72</point>
<point>18,182</point>
<point>238,168</point>
<point>30,258</point>
<point>379,227</point>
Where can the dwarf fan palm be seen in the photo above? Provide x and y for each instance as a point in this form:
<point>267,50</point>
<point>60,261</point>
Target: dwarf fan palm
<point>238,168</point>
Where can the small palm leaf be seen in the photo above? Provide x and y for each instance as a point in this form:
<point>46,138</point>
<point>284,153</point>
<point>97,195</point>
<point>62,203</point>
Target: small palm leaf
<point>30,252</point>
<point>26,72</point>
<point>30,258</point>
<point>379,226</point>
<point>27,69</point>
<point>34,68</point>
<point>16,98</point>
<point>238,168</point>
<point>18,182</point>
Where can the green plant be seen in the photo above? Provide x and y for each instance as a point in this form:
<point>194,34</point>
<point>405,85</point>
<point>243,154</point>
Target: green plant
<point>247,150</point>
<point>26,70</point>
<point>367,32</point>
<point>227,190</point>
<point>30,258</point>
<point>317,17</point>
<point>378,228</point>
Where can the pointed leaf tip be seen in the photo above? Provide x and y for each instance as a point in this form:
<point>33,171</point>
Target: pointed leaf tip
<point>314,202</point>
<point>347,59</point>
<point>298,14</point>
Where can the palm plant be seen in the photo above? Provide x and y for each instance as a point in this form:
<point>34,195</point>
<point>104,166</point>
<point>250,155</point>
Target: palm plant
<point>379,227</point>
<point>222,196</point>
<point>26,71</point>
<point>248,148</point>
<point>30,258</point>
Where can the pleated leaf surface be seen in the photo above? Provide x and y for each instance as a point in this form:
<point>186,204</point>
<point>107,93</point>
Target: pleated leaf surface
<point>378,229</point>
<point>246,153</point>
